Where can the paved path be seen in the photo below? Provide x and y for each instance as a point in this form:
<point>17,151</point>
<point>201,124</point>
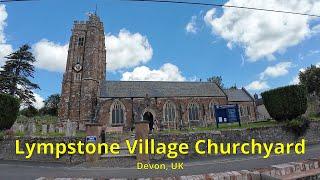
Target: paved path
<point>32,170</point>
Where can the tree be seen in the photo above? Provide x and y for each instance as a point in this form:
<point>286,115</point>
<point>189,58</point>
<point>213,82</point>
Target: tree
<point>217,80</point>
<point>234,87</point>
<point>51,105</point>
<point>286,103</point>
<point>310,78</point>
<point>14,76</point>
<point>9,109</point>
<point>30,111</point>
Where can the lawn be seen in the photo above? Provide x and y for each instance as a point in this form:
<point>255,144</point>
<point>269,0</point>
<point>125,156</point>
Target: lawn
<point>268,123</point>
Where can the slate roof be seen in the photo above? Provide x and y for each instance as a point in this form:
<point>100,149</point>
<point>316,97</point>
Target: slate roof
<point>238,95</point>
<point>136,89</point>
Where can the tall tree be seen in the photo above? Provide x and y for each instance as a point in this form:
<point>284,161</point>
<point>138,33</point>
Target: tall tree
<point>310,78</point>
<point>51,105</point>
<point>14,78</point>
<point>217,80</point>
<point>234,87</point>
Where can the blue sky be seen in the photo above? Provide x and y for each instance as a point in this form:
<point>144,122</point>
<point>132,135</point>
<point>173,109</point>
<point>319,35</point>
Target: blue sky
<point>256,50</point>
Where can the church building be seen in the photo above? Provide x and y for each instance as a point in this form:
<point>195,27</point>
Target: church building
<point>87,97</point>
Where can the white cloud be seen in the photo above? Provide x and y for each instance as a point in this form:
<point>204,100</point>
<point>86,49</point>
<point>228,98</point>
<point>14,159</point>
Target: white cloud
<point>318,64</point>
<point>123,51</point>
<point>279,69</point>
<point>38,104</point>
<point>50,56</point>
<point>191,27</point>
<point>257,86</point>
<point>296,79</point>
<point>263,34</point>
<point>167,72</point>
<point>5,49</point>
<point>127,50</point>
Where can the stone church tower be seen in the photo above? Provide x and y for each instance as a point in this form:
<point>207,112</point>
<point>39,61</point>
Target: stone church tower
<point>85,71</point>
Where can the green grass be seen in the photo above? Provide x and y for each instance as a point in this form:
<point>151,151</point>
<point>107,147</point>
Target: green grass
<point>19,134</point>
<point>81,134</point>
<point>269,123</point>
<point>314,117</point>
<point>1,134</point>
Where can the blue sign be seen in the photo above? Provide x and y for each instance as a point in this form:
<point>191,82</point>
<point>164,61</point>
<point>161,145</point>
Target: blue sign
<point>91,139</point>
<point>227,114</point>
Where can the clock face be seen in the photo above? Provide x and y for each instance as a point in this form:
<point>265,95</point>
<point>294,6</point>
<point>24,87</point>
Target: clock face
<point>77,67</point>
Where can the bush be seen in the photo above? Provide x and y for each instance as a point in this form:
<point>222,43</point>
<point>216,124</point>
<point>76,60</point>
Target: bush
<point>286,103</point>
<point>9,109</point>
<point>298,126</point>
<point>29,112</point>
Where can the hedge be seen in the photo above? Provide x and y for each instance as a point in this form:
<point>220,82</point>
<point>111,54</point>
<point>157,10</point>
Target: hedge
<point>9,109</point>
<point>286,103</point>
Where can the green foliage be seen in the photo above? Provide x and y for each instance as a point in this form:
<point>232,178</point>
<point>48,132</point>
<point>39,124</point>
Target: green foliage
<point>14,78</point>
<point>29,112</point>
<point>297,126</point>
<point>47,119</point>
<point>217,80</point>
<point>286,103</point>
<point>51,105</point>
<point>9,109</point>
<point>310,78</point>
<point>19,134</point>
<point>234,87</point>
<point>1,135</point>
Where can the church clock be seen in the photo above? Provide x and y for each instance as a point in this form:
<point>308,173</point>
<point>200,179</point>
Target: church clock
<point>77,67</point>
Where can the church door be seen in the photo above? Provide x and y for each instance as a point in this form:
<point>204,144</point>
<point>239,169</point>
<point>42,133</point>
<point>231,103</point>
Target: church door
<point>149,117</point>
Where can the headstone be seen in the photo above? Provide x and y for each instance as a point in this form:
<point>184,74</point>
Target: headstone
<point>44,129</point>
<point>15,127</point>
<point>51,128</point>
<point>60,129</point>
<point>68,128</point>
<point>74,128</point>
<point>21,128</point>
<point>31,128</point>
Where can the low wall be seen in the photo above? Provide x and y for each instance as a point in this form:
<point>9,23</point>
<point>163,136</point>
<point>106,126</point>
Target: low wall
<point>8,150</point>
<point>262,134</point>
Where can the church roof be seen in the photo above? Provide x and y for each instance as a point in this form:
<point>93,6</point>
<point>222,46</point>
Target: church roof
<point>238,95</point>
<point>136,89</point>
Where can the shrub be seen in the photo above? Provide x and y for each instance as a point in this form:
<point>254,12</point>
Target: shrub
<point>9,109</point>
<point>286,103</point>
<point>298,126</point>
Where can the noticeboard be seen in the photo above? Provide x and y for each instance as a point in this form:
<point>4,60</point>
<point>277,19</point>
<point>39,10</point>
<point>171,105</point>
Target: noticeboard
<point>91,139</point>
<point>227,114</point>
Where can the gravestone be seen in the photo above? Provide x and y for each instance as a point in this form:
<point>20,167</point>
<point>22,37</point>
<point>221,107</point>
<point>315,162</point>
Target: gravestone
<point>51,128</point>
<point>31,128</point>
<point>60,129</point>
<point>15,127</point>
<point>21,128</point>
<point>44,129</point>
<point>74,128</point>
<point>70,128</point>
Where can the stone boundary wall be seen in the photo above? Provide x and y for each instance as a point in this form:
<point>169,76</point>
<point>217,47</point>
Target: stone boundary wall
<point>7,150</point>
<point>264,134</point>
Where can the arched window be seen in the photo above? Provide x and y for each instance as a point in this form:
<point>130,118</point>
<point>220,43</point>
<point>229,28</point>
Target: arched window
<point>169,112</point>
<point>193,110</point>
<point>212,110</point>
<point>117,111</point>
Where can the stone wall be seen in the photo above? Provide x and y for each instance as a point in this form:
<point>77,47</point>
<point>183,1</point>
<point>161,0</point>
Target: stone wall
<point>7,150</point>
<point>263,134</point>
